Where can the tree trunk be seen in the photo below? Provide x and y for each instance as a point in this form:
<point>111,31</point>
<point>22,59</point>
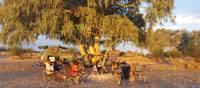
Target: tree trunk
<point>93,49</point>
<point>82,50</point>
<point>105,55</point>
<point>84,53</point>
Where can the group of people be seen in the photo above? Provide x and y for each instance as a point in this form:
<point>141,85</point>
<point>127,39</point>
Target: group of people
<point>63,70</point>
<point>120,69</point>
<point>97,68</point>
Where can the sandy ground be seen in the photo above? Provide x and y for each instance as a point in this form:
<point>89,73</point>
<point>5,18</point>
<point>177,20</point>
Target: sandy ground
<point>20,74</point>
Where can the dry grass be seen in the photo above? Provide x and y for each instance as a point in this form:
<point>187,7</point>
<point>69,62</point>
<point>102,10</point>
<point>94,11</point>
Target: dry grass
<point>138,59</point>
<point>9,66</point>
<point>14,58</point>
<point>25,56</point>
<point>177,64</point>
<point>163,67</point>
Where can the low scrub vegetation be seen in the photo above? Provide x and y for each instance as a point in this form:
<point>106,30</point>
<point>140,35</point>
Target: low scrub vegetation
<point>19,51</point>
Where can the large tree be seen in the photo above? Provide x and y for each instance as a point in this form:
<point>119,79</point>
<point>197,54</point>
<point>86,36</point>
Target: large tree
<point>82,22</point>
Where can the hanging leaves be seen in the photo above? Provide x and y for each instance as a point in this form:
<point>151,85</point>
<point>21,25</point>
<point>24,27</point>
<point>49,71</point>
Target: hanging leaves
<point>79,20</point>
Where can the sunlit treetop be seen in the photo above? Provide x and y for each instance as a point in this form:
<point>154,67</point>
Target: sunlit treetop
<point>79,21</point>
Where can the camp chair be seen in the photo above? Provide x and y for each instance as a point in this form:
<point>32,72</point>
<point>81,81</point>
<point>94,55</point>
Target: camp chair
<point>84,77</point>
<point>50,71</point>
<point>140,73</point>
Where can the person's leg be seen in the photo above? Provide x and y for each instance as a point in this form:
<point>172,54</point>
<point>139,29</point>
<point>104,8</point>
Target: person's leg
<point>77,79</point>
<point>132,76</point>
<point>112,69</point>
<point>99,70</point>
<point>94,70</point>
<point>60,76</point>
<point>118,78</point>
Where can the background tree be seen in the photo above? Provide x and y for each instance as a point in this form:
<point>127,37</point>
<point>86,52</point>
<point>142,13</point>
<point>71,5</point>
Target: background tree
<point>194,45</point>
<point>190,44</point>
<point>174,39</point>
<point>157,42</point>
<point>184,41</point>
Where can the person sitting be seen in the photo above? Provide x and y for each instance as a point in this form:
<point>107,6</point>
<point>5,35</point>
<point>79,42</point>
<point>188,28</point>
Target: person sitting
<point>132,72</point>
<point>118,71</point>
<point>49,69</point>
<point>125,70</point>
<point>74,71</point>
<point>94,69</point>
<point>113,66</point>
<point>52,70</point>
<point>100,65</point>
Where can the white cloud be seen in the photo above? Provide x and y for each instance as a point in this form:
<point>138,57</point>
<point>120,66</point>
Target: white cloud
<point>188,19</point>
<point>183,21</point>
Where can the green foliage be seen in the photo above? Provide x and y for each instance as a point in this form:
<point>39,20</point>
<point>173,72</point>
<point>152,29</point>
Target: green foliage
<point>190,44</point>
<point>79,21</point>
<point>157,41</point>
<point>162,40</point>
<point>185,38</point>
<point>159,10</point>
<point>116,22</point>
<point>173,54</point>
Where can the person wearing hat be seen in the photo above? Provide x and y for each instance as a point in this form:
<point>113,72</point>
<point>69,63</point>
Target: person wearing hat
<point>118,71</point>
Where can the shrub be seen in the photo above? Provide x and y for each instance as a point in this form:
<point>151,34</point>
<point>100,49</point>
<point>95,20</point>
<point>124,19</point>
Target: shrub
<point>173,54</point>
<point>121,54</point>
<point>19,51</point>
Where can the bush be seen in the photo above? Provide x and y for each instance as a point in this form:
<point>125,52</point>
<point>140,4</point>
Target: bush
<point>121,54</point>
<point>158,53</point>
<point>19,51</point>
<point>173,54</point>
<point>196,55</point>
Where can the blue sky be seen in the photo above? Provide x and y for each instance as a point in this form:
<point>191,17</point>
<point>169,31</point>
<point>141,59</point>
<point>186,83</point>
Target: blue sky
<point>187,14</point>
